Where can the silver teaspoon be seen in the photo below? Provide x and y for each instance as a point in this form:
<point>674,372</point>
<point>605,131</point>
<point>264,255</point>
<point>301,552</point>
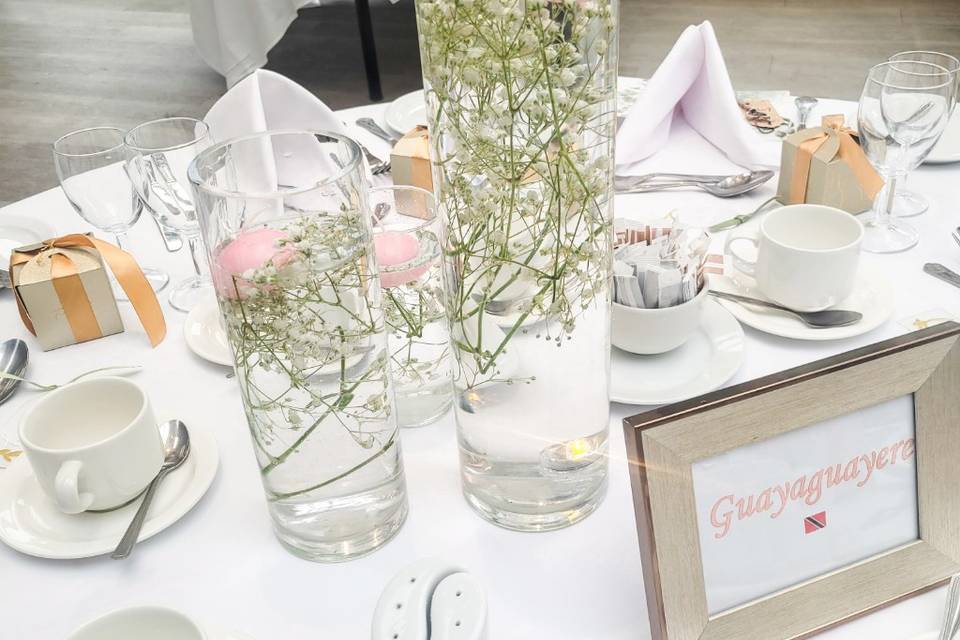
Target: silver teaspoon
<point>814,319</point>
<point>176,448</point>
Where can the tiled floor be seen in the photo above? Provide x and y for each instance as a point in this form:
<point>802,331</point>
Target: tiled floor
<point>66,64</point>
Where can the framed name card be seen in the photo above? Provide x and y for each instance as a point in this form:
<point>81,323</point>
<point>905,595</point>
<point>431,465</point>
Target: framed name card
<point>786,505</point>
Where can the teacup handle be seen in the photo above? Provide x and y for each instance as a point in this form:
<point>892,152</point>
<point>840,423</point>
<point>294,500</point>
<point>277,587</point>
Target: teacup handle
<point>741,264</point>
<point>67,488</point>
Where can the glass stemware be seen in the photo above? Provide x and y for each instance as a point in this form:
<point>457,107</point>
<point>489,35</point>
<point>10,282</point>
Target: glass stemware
<point>903,111</point>
<point>88,165</point>
<point>158,154</point>
<point>909,203</point>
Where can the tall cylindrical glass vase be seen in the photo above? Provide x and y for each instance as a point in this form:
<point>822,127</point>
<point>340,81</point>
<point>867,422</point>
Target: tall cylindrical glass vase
<point>520,103</point>
<point>287,230</point>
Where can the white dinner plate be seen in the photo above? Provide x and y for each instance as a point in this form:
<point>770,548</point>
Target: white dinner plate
<point>205,335</point>
<point>947,148</point>
<point>870,297</point>
<point>31,523</point>
<point>406,112</point>
<point>16,231</point>
<point>707,360</point>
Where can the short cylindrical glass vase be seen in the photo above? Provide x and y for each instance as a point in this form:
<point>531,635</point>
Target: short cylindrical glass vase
<point>286,227</point>
<point>406,234</point>
<point>521,108</point>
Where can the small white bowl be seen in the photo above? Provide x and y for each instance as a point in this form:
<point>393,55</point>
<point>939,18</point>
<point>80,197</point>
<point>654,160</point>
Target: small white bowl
<point>652,331</point>
<point>142,623</point>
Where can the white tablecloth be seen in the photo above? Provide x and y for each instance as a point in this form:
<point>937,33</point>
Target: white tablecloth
<point>222,564</point>
<point>234,36</point>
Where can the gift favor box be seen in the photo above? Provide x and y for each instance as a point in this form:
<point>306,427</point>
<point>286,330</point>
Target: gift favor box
<point>825,165</point>
<point>64,294</point>
<point>410,166</point>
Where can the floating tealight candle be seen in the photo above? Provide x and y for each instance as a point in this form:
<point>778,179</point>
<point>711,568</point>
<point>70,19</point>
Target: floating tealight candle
<point>249,251</point>
<point>394,250</point>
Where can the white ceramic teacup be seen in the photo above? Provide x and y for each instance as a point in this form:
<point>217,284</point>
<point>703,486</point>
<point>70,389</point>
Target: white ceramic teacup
<point>94,444</point>
<point>652,331</point>
<point>141,623</point>
<point>807,256</point>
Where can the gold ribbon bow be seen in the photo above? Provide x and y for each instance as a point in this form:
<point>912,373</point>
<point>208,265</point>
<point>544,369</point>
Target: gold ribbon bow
<point>831,140</point>
<point>73,298</point>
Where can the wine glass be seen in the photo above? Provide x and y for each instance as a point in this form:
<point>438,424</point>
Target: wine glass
<point>88,164</point>
<point>903,111</point>
<point>909,203</point>
<point>158,154</point>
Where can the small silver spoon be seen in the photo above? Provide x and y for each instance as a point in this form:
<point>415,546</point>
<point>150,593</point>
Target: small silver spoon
<point>176,448</point>
<point>724,188</point>
<point>805,105</point>
<point>14,355</point>
<point>814,319</point>
<point>626,183</point>
<point>956,235</point>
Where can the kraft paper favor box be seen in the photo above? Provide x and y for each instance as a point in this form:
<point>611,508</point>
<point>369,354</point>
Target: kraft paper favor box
<point>410,166</point>
<point>65,294</point>
<point>825,165</point>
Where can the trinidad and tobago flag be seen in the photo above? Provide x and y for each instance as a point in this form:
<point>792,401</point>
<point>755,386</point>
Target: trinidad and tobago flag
<point>815,522</point>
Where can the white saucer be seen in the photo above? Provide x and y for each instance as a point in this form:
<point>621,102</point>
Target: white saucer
<point>708,359</point>
<point>205,335</point>
<point>947,148</point>
<point>31,523</point>
<point>406,112</point>
<point>870,297</point>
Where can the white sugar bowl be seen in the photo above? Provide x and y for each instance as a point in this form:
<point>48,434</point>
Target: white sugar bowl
<point>652,331</point>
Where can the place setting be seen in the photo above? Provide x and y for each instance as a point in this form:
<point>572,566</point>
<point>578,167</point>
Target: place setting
<point>99,472</point>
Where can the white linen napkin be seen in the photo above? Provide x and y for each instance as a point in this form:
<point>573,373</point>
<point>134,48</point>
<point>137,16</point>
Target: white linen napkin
<point>691,90</point>
<point>268,101</point>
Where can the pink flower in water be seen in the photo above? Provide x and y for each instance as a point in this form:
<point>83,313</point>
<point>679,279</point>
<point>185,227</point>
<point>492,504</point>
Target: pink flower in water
<point>249,251</point>
<point>395,248</point>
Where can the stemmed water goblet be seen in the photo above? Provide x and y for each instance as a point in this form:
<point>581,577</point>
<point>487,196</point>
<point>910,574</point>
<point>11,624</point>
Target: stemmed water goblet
<point>158,154</point>
<point>88,164</point>
<point>903,111</point>
<point>909,203</point>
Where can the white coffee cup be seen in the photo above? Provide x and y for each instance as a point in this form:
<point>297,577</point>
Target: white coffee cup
<point>94,444</point>
<point>807,256</point>
<point>141,623</point>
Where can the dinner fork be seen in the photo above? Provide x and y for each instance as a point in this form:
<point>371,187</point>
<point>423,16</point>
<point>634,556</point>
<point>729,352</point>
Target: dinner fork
<point>377,166</point>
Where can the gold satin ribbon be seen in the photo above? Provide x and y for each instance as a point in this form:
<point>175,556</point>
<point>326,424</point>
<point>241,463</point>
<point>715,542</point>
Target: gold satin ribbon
<point>73,298</point>
<point>848,152</point>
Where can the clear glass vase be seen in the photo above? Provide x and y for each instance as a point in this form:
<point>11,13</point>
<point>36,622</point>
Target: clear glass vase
<point>406,235</point>
<point>521,106</point>
<point>286,226</point>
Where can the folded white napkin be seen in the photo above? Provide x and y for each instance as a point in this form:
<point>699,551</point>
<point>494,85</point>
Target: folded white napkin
<point>265,100</point>
<point>691,90</point>
<point>268,101</point>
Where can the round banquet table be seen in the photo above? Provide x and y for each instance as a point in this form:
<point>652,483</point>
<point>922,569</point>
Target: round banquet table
<point>222,564</point>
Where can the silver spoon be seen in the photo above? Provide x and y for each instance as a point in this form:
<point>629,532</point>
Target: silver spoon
<point>626,183</point>
<point>814,319</point>
<point>956,235</point>
<point>176,448</point>
<point>805,105</point>
<point>14,355</point>
<point>726,187</point>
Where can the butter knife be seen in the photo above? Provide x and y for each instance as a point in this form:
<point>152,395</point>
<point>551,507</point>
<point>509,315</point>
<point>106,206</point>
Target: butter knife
<point>937,270</point>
